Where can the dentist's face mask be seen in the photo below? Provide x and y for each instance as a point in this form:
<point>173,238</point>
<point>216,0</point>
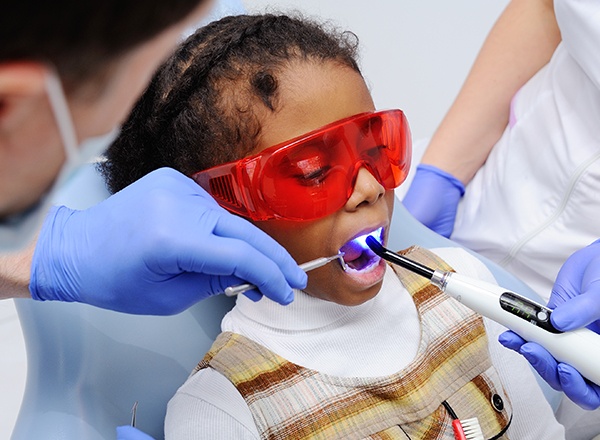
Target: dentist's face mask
<point>16,232</point>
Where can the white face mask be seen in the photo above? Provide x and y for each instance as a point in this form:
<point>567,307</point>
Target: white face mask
<point>17,231</point>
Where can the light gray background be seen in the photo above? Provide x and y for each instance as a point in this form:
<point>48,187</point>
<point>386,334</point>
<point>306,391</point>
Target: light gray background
<point>414,55</point>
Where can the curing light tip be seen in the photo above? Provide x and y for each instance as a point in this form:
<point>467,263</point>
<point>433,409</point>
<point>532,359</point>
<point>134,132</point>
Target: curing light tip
<point>373,235</point>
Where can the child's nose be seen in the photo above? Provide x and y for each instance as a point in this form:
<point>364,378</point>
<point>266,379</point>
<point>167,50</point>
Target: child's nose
<point>367,190</point>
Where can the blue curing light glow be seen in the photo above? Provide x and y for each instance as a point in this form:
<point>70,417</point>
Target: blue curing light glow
<point>362,240</point>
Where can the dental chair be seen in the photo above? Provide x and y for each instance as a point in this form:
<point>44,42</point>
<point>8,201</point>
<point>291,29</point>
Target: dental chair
<point>87,366</point>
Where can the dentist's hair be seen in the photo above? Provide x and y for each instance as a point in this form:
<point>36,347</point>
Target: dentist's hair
<point>80,38</point>
<point>204,106</point>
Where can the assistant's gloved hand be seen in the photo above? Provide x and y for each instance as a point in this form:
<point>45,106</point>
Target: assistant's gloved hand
<point>575,299</point>
<point>131,433</point>
<point>433,198</point>
<point>157,247</point>
<point>576,292</point>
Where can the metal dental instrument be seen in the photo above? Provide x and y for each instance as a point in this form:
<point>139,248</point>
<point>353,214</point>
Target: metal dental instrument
<point>133,413</point>
<point>308,266</point>
<point>579,348</point>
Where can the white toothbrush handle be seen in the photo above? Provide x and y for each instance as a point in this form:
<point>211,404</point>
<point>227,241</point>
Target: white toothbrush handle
<point>579,348</point>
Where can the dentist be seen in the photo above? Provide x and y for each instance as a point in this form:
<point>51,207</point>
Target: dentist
<point>70,72</point>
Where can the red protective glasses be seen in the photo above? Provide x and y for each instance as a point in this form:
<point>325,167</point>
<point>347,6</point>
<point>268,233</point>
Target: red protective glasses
<point>313,175</point>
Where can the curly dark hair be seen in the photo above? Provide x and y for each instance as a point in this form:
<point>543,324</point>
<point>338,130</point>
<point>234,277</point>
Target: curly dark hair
<point>202,107</point>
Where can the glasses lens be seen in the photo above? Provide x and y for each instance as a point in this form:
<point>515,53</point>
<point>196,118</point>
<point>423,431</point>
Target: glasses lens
<point>308,180</point>
<point>385,147</point>
<point>314,177</point>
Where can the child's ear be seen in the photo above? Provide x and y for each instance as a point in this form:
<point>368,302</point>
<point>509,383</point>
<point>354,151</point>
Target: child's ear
<point>21,84</point>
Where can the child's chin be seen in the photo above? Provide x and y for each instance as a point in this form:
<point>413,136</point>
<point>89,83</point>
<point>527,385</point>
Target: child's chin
<point>355,297</point>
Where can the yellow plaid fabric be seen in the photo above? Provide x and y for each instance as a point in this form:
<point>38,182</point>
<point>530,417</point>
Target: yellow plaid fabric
<point>289,401</point>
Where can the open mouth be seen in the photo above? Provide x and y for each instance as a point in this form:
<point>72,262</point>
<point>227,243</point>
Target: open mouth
<point>358,257</point>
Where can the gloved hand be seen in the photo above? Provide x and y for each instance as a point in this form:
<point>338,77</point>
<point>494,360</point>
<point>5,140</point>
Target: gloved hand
<point>575,299</point>
<point>433,198</point>
<point>131,433</point>
<point>157,247</point>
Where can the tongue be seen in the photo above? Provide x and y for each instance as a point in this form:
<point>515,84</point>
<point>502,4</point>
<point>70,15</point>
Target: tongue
<point>351,251</point>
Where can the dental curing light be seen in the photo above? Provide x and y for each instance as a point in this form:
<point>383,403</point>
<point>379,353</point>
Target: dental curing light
<point>579,348</point>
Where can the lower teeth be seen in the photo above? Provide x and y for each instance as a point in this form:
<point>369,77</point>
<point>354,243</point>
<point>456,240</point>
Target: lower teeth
<point>361,264</point>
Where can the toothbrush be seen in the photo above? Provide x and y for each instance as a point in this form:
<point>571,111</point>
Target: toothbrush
<point>308,266</point>
<point>468,429</point>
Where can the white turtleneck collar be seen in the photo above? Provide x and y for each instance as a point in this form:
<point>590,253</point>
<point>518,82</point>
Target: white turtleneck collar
<point>330,337</point>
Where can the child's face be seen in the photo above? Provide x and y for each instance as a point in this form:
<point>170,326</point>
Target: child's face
<point>313,95</point>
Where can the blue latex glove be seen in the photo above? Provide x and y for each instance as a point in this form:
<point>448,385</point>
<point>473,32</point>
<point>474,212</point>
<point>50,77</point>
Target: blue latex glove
<point>576,302</point>
<point>157,247</point>
<point>131,433</point>
<point>433,198</point>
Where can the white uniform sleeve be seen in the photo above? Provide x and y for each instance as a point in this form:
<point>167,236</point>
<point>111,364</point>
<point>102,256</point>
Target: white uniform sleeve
<point>208,406</point>
<point>533,418</point>
<point>579,23</point>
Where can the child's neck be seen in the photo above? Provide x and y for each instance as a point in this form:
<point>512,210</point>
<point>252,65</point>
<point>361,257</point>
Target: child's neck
<point>329,337</point>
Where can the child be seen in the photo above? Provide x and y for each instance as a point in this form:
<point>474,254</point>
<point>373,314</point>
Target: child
<point>271,115</point>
